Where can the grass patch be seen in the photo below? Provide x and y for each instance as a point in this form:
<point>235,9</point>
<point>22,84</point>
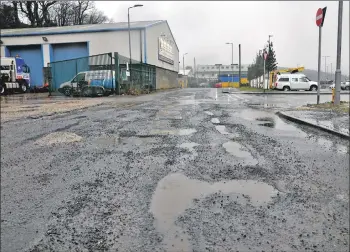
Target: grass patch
<point>343,107</point>
<point>252,89</point>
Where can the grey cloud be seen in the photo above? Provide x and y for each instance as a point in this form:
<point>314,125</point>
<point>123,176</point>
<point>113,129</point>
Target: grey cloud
<point>203,28</point>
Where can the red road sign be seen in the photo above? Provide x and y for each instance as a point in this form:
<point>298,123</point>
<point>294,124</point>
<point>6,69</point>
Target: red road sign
<point>265,55</point>
<point>319,17</point>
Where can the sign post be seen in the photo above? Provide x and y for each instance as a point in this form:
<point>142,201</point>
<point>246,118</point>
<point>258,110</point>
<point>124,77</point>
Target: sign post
<point>320,15</point>
<point>265,57</point>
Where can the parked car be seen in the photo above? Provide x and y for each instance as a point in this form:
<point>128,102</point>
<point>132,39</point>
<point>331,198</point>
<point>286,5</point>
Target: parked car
<point>218,85</point>
<point>343,85</point>
<point>287,82</point>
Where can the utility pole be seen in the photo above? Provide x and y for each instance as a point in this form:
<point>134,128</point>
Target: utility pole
<point>325,66</point>
<point>231,58</point>
<point>268,72</point>
<point>331,71</point>
<point>183,63</point>
<point>239,65</point>
<point>337,70</point>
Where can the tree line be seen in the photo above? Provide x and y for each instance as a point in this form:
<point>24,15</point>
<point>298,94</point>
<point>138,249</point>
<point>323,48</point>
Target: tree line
<point>256,69</point>
<point>21,14</point>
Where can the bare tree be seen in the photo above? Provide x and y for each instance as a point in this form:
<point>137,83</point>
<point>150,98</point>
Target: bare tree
<point>58,13</point>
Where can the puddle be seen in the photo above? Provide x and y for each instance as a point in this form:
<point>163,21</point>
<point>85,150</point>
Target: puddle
<point>222,129</point>
<point>240,152</point>
<point>215,120</point>
<point>209,113</point>
<point>180,132</point>
<point>59,137</point>
<point>175,193</point>
<point>268,124</point>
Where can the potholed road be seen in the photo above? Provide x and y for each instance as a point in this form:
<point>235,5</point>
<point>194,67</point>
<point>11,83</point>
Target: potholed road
<point>190,170</point>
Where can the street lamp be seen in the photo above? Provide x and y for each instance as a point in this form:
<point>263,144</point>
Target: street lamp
<point>183,63</point>
<point>135,6</point>
<point>228,43</point>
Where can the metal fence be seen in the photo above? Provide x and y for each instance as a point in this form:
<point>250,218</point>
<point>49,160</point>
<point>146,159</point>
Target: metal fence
<point>103,74</point>
<point>136,77</point>
<point>71,76</point>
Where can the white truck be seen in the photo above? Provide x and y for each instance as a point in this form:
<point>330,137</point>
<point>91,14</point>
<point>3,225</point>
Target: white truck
<point>15,75</point>
<point>295,81</point>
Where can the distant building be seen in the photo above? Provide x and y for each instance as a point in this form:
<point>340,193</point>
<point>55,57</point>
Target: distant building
<point>211,72</point>
<point>188,72</point>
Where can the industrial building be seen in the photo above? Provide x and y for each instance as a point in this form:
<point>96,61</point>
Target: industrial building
<point>222,73</point>
<point>152,42</point>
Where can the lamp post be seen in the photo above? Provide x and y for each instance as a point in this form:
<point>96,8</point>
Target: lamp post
<point>325,66</point>
<point>268,72</point>
<point>230,43</point>
<point>136,5</point>
<point>183,62</point>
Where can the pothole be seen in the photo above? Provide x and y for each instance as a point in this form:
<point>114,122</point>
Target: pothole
<point>215,120</point>
<point>240,152</point>
<point>59,137</point>
<point>175,193</point>
<point>180,132</point>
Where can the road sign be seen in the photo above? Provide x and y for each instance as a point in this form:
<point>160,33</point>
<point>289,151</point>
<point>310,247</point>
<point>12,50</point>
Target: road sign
<point>265,55</point>
<point>320,15</point>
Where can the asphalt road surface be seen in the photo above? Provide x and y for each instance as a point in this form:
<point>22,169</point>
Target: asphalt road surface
<point>185,170</point>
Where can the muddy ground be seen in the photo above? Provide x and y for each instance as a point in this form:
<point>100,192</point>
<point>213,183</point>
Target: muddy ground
<point>186,170</point>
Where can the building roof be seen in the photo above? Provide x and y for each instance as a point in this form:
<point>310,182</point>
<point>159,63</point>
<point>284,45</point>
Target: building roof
<point>187,71</point>
<point>122,26</point>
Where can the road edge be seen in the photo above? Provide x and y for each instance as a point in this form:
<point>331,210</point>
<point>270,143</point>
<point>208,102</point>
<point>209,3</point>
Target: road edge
<point>284,93</point>
<point>300,121</point>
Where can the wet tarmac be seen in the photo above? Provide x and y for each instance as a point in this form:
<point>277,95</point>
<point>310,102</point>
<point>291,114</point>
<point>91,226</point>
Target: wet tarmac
<point>184,170</point>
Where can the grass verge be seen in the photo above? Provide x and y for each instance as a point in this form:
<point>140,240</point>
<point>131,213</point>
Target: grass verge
<point>343,107</point>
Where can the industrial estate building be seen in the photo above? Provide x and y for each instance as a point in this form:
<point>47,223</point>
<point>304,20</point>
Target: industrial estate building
<point>152,42</point>
<point>222,73</point>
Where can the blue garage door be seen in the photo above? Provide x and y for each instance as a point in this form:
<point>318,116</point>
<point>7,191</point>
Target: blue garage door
<point>33,57</point>
<point>64,68</point>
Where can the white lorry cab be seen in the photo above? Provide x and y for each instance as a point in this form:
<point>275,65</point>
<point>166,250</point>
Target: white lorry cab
<point>15,74</point>
<point>296,81</point>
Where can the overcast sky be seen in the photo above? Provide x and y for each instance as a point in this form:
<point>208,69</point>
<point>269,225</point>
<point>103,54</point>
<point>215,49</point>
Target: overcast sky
<point>202,28</point>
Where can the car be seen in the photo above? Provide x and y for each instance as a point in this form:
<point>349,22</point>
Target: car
<point>226,90</point>
<point>345,85</point>
<point>287,82</point>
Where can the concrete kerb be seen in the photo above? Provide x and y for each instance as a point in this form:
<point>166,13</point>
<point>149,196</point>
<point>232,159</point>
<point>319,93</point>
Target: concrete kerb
<point>287,93</point>
<point>300,121</point>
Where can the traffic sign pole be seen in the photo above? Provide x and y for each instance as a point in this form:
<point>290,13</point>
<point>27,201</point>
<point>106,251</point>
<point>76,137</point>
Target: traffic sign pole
<point>320,15</point>
<point>319,64</point>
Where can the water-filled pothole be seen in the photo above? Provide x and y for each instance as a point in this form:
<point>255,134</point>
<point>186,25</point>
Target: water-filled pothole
<point>176,192</point>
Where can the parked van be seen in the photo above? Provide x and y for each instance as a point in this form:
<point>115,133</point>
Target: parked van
<point>295,81</point>
<point>98,82</point>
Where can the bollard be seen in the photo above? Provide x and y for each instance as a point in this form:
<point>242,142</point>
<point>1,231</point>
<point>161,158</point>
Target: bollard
<point>333,95</point>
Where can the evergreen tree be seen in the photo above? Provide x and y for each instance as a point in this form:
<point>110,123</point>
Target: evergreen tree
<point>271,62</point>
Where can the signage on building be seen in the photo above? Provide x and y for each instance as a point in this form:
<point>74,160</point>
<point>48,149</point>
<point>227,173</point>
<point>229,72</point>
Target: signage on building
<point>165,51</point>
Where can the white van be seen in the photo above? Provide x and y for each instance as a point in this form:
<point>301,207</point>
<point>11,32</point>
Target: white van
<point>296,81</point>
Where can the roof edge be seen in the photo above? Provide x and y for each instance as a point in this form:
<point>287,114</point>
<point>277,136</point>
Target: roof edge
<point>70,32</point>
<point>160,22</point>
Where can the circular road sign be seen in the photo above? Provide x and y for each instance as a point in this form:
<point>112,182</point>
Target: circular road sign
<point>319,17</point>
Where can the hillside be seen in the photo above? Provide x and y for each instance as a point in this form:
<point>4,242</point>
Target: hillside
<point>312,74</point>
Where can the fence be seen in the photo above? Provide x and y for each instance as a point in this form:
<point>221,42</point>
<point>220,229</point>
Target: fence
<point>136,77</point>
<point>97,75</point>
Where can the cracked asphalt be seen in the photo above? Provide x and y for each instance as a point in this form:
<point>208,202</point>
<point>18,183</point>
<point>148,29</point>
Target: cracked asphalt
<point>184,170</point>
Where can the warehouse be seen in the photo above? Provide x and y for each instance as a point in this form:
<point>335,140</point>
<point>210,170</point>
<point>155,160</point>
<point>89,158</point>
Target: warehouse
<point>152,42</point>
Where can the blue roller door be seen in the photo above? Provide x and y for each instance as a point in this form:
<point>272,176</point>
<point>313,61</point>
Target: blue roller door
<point>33,57</point>
<point>64,69</point>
